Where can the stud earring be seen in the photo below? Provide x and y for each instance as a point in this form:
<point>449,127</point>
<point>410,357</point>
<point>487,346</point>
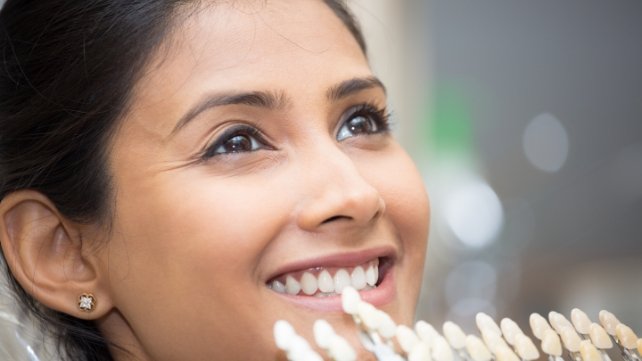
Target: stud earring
<point>87,302</point>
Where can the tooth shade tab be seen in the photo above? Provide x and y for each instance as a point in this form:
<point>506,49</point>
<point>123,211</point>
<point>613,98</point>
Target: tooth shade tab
<point>627,337</point>
<point>538,325</point>
<point>441,351</point>
<point>558,321</point>
<point>386,326</point>
<point>570,338</point>
<point>477,349</point>
<point>340,350</point>
<point>407,338</point>
<point>525,347</point>
<point>322,333</point>
<point>510,329</point>
<point>504,353</point>
<point>599,337</point>
<point>589,352</point>
<point>486,322</point>
<point>493,340</point>
<point>551,344</point>
<point>350,300</point>
<point>640,346</point>
<point>426,332</point>
<point>580,320</point>
<point>454,335</point>
<point>368,315</point>
<point>608,321</point>
<point>283,333</point>
<point>420,352</point>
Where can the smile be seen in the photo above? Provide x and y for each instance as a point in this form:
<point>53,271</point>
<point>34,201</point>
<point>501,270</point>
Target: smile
<point>324,282</point>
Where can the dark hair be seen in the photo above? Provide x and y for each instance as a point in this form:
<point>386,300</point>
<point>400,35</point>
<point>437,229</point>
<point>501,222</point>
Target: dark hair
<point>66,77</point>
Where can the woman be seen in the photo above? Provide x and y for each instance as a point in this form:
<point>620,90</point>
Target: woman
<point>178,175</point>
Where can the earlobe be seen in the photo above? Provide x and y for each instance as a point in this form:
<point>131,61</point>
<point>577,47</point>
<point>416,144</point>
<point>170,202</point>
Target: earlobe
<point>47,255</point>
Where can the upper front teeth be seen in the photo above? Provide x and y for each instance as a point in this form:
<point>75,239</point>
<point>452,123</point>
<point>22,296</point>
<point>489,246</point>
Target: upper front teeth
<point>313,282</point>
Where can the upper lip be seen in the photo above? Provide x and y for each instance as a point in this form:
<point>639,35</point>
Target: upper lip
<point>343,259</point>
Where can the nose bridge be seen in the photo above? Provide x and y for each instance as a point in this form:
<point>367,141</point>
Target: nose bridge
<point>335,189</point>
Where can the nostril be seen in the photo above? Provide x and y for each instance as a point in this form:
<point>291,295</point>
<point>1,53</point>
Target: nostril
<point>335,218</point>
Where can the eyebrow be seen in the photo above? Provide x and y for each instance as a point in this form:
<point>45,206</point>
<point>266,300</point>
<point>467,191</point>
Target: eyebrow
<point>274,99</point>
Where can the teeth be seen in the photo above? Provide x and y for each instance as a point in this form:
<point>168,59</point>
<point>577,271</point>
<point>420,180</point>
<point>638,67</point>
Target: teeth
<point>599,337</point>
<point>292,286</point>
<point>627,337</point>
<point>309,283</point>
<point>358,278</point>
<point>372,275</point>
<point>341,280</point>
<point>325,282</point>
<point>322,283</point>
<point>580,320</point>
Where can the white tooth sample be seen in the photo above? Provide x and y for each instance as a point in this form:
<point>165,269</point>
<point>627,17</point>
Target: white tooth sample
<point>420,352</point>
<point>426,332</point>
<point>455,336</point>
<point>406,337</point>
<point>283,333</point>
<point>551,344</point>
<point>325,282</point>
<point>504,353</point>
<point>627,337</point>
<point>477,349</point>
<point>341,280</point>
<point>640,346</point>
<point>608,321</point>
<point>570,338</point>
<point>525,347</point>
<point>308,283</point>
<point>599,337</point>
<point>358,278</point>
<point>510,329</point>
<point>441,351</point>
<point>386,326</point>
<point>340,350</point>
<point>322,333</point>
<point>277,286</point>
<point>492,340</point>
<point>580,320</point>
<point>558,321</point>
<point>292,286</point>
<point>368,315</point>
<point>371,275</point>
<point>486,322</point>
<point>538,325</point>
<point>299,350</point>
<point>350,300</point>
<point>589,352</point>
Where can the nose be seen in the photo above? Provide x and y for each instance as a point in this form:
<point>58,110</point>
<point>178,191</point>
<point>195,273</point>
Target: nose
<point>337,193</point>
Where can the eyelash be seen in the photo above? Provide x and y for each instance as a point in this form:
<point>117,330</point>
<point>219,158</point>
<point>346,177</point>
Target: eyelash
<point>378,121</point>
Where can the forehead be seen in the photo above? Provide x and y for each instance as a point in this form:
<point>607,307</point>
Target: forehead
<point>250,45</point>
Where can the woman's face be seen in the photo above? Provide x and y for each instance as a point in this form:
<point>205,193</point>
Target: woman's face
<point>256,158</point>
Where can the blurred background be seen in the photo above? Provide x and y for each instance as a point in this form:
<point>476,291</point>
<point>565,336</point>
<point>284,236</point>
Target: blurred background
<point>525,118</point>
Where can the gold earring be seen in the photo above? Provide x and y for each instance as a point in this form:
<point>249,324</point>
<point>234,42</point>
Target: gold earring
<point>87,302</point>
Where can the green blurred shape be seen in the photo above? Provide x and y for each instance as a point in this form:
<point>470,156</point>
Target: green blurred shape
<point>448,128</point>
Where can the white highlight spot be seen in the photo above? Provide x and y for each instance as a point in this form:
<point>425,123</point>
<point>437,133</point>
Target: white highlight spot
<point>474,213</point>
<point>546,143</point>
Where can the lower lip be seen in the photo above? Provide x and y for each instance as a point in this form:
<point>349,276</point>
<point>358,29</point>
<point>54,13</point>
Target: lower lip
<point>382,295</point>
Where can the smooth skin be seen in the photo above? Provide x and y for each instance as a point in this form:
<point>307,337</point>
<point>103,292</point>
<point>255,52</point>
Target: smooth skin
<point>206,210</point>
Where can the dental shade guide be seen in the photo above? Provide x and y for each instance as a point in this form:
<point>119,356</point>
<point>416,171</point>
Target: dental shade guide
<point>582,339</point>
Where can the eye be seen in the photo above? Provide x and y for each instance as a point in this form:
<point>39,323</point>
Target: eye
<point>364,119</point>
<point>240,139</point>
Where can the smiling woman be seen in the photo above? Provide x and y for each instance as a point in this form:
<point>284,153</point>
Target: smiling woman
<point>176,176</point>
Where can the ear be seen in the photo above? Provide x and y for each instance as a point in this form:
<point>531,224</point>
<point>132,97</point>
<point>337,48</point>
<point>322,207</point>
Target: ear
<point>48,256</point>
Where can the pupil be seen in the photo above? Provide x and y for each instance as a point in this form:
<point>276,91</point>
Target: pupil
<point>239,143</point>
<point>359,125</point>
